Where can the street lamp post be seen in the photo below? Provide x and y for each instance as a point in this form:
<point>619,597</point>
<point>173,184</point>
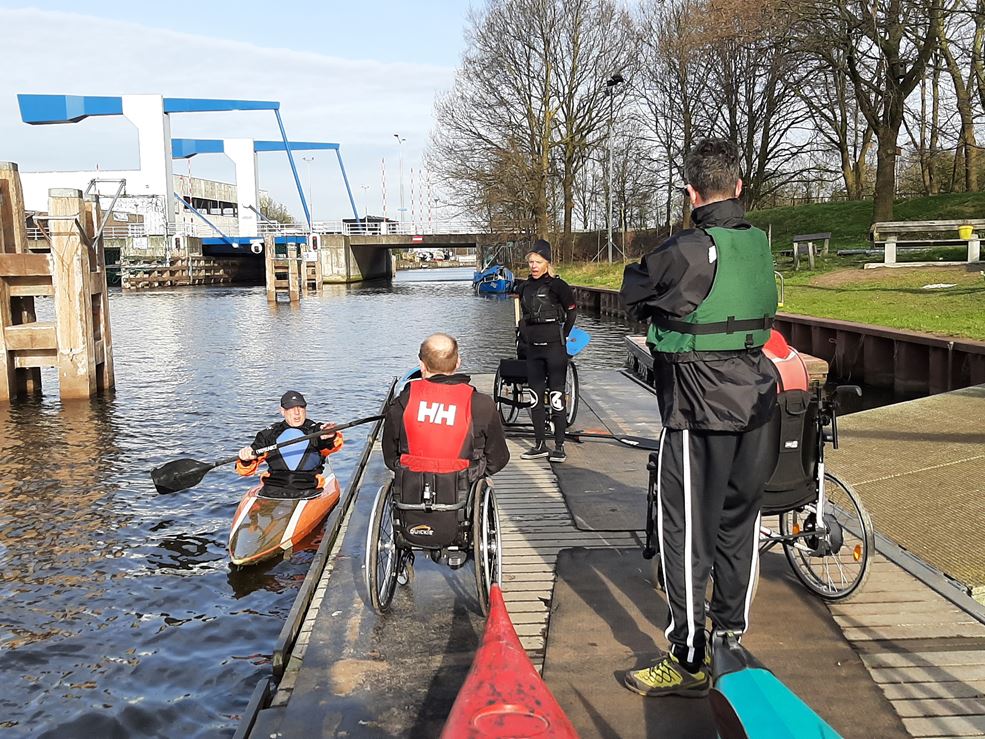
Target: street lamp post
<point>610,89</point>
<point>311,206</point>
<point>365,203</point>
<point>400,141</point>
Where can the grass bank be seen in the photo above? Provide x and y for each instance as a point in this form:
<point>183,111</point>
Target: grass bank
<point>849,222</point>
<point>840,288</point>
<point>898,298</point>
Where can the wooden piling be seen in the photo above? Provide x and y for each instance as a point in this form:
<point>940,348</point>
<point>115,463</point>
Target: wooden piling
<point>293,273</point>
<point>72,281</point>
<point>268,260</point>
<point>13,240</point>
<point>102,330</point>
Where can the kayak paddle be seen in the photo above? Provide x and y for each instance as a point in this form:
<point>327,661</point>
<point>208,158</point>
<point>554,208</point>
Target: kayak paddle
<point>181,474</point>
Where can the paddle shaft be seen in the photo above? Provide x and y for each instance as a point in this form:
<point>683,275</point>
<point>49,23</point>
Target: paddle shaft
<point>321,432</point>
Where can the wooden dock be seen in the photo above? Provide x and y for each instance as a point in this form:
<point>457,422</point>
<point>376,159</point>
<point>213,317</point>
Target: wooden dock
<point>919,654</point>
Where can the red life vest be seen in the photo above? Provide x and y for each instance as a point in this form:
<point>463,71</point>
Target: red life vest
<point>438,424</point>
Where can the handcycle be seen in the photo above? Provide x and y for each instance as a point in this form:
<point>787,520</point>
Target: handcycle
<point>825,531</point>
<point>512,394</point>
<point>449,531</point>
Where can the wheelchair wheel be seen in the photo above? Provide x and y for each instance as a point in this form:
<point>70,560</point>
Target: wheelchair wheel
<point>382,556</point>
<point>485,542</point>
<point>832,565</point>
<point>571,393</point>
<point>508,410</point>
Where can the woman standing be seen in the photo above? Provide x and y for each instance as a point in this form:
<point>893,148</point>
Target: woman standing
<point>548,315</point>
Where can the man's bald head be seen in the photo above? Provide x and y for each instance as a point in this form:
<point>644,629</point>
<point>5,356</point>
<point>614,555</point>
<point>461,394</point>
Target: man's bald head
<point>439,354</point>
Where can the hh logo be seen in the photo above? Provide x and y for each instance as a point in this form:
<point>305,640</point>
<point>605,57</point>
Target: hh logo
<point>436,413</point>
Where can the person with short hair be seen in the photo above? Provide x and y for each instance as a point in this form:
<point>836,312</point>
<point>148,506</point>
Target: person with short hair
<point>293,470</point>
<point>548,313</point>
<point>441,425</point>
<point>710,297</point>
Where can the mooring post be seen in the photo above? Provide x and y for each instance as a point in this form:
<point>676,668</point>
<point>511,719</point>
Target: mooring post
<point>72,285</point>
<point>102,330</point>
<point>13,240</point>
<point>268,263</point>
<point>293,273</point>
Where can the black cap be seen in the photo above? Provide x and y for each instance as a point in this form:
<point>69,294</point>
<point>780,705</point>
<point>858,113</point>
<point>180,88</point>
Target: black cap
<point>292,399</point>
<point>543,248</point>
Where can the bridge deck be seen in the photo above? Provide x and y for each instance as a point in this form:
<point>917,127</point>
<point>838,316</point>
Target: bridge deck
<point>364,675</point>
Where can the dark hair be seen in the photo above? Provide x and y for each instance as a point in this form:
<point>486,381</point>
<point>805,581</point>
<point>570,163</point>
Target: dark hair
<point>712,167</point>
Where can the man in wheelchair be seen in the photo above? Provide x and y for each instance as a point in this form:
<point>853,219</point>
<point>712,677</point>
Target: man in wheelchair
<point>440,436</point>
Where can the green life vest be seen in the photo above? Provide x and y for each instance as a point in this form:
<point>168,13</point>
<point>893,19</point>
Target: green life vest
<point>738,312</point>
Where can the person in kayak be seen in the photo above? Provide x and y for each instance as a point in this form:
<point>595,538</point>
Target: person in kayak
<point>710,297</point>
<point>440,435</point>
<point>294,470</point>
<point>548,312</point>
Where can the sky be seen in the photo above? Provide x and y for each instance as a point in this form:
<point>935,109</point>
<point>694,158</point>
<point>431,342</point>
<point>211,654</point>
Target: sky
<point>353,73</point>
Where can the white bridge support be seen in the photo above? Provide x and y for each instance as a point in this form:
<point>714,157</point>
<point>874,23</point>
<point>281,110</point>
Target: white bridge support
<point>243,156</point>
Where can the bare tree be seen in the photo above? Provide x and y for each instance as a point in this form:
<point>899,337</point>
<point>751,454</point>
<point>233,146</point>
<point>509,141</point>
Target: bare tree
<point>885,46</point>
<point>952,37</point>
<point>593,42</point>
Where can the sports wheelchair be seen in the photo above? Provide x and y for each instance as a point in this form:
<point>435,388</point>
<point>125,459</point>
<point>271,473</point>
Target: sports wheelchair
<point>447,524</point>
<point>825,531</point>
<point>511,393</point>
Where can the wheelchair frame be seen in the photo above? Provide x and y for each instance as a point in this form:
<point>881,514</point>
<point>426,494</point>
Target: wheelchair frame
<point>819,553</point>
<point>390,558</point>
<point>511,393</point>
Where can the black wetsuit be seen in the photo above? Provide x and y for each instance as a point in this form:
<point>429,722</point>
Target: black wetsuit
<point>549,311</point>
<point>295,467</point>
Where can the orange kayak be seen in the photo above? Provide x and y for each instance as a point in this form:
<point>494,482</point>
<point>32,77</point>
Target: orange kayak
<point>504,695</point>
<point>271,527</point>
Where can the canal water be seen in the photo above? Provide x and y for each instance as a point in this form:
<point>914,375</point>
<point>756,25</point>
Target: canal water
<point>119,613</point>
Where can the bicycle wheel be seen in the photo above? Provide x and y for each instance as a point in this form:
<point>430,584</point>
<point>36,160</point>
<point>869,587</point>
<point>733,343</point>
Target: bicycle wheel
<point>485,542</point>
<point>507,407</point>
<point>571,393</point>
<point>834,565</point>
<point>381,552</point>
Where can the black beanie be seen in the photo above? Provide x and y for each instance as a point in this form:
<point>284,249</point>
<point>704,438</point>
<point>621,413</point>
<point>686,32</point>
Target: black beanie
<point>543,248</point>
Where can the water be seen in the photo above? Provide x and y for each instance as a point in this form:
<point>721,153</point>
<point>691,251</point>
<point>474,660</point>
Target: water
<point>121,615</point>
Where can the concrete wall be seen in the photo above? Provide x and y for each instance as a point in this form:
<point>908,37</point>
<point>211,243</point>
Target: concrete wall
<point>342,262</point>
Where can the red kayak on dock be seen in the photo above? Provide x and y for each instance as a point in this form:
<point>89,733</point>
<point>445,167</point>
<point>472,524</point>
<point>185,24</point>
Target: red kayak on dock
<point>504,695</point>
<point>266,527</point>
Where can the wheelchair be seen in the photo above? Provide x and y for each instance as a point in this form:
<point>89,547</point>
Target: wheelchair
<point>825,531</point>
<point>449,532</point>
<point>511,393</point>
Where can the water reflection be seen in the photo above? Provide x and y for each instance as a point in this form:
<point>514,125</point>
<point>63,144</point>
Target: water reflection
<point>121,613</point>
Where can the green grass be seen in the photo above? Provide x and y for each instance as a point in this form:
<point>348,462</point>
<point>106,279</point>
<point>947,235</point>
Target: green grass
<point>839,288</point>
<point>885,297</point>
<point>895,298</point>
<point>849,222</point>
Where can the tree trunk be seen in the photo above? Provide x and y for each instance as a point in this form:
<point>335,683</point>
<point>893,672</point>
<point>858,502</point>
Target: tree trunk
<point>882,205</point>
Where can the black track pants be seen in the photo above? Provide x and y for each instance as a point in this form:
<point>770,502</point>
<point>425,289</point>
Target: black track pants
<point>546,368</point>
<point>709,497</point>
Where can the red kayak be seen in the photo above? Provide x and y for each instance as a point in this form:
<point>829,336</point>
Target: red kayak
<point>270,527</point>
<point>504,695</point>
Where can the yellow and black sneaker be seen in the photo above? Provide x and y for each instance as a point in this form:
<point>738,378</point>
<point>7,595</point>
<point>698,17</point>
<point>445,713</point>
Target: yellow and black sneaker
<point>667,676</point>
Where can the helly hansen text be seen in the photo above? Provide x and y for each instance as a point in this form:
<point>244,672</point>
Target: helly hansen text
<point>436,413</point>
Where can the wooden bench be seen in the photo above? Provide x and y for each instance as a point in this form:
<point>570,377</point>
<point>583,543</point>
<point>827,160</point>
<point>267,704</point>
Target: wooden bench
<point>892,234</point>
<point>809,240</point>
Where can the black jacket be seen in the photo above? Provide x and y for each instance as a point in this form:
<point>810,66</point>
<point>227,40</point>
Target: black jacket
<point>707,391</point>
<point>278,473</point>
<point>565,296</point>
<point>487,429</point>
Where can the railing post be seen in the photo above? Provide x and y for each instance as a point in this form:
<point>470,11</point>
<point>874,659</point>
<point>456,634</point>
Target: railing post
<point>72,283</point>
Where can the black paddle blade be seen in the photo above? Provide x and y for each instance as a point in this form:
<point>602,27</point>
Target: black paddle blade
<point>179,474</point>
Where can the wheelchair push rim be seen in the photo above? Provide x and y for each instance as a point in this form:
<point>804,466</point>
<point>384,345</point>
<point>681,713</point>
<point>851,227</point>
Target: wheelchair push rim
<point>833,563</point>
<point>486,543</point>
<point>382,555</point>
